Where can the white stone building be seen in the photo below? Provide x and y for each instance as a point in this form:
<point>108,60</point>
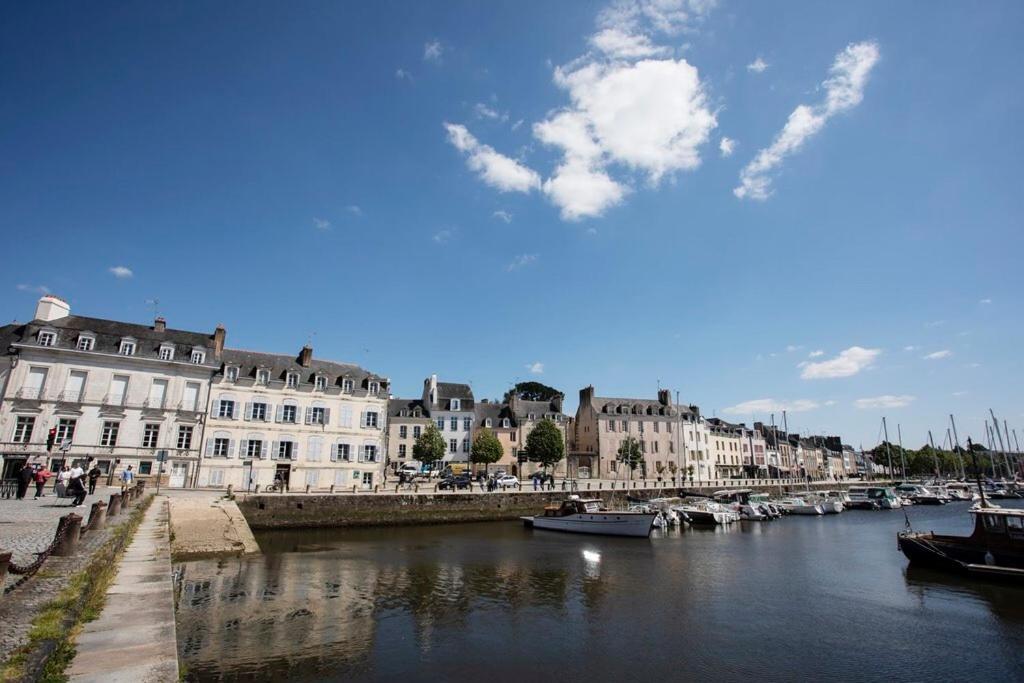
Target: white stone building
<point>450,406</point>
<point>116,392</point>
<point>294,420</point>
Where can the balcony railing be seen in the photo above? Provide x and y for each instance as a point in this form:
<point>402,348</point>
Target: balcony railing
<point>31,393</point>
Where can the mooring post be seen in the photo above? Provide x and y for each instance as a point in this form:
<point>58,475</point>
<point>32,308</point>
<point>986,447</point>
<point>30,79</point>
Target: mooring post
<point>98,516</point>
<point>67,543</point>
<point>114,506</point>
<point>5,560</point>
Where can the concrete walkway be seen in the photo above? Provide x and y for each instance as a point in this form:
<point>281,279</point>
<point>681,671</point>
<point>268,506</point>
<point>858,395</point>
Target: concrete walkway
<point>134,638</point>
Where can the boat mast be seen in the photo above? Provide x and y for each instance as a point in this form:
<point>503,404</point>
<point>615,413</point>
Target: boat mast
<point>903,457</point>
<point>977,472</point>
<point>991,449</point>
<point>1017,444</point>
<point>963,472</point>
<point>938,470</point>
<point>681,438</point>
<point>888,453</point>
<point>785,430</point>
<point>778,455</point>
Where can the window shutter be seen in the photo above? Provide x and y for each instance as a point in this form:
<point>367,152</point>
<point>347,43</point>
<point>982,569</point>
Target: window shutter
<point>273,450</point>
<point>209,447</point>
<point>243,448</point>
<point>362,419</point>
<point>308,412</point>
<point>231,447</point>
<point>327,416</point>
<point>248,411</point>
<point>279,415</point>
<point>237,413</point>
<point>334,452</point>
<point>295,450</point>
<point>268,416</point>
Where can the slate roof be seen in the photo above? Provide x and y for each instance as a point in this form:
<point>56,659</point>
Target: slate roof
<point>397,405</point>
<point>109,333</point>
<point>538,408</point>
<point>280,364</point>
<point>601,402</point>
<point>446,391</point>
<point>493,411</point>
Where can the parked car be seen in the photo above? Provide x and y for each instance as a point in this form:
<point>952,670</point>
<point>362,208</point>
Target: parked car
<point>507,481</point>
<point>459,481</point>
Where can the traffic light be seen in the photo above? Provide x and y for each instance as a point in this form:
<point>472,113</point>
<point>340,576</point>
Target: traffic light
<point>51,437</point>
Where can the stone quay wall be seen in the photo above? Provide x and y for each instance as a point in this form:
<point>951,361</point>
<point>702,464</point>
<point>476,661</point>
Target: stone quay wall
<point>296,511</point>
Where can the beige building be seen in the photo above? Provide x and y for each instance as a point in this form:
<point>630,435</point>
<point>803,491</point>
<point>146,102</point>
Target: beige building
<point>406,421</point>
<point>513,422</point>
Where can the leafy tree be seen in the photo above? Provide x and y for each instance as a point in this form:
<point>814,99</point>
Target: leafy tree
<point>532,391</point>
<point>429,448</point>
<point>545,444</point>
<point>486,449</point>
<point>629,454</point>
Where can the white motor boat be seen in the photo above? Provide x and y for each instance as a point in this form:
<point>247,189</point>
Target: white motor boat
<point>588,516</point>
<point>707,512</point>
<point>798,506</point>
<point>832,502</point>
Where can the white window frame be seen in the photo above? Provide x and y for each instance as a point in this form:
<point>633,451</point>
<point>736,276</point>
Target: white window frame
<point>182,431</point>
<point>254,449</point>
<point>346,385</point>
<point>456,404</point>
<point>127,347</point>
<point>226,414</point>
<point>416,431</point>
<point>166,352</point>
<point>295,413</point>
<point>266,411</point>
<point>372,419</point>
<point>231,373</point>
<point>320,384</point>
<point>263,376</point>
<point>317,415</point>
<point>374,387</point>
<point>151,435</point>
<point>219,441</point>
<point>291,380</point>
<point>198,357</point>
<point>46,338</point>
<point>109,433</point>
<point>487,422</point>
<point>86,342</point>
<point>453,445</point>
<point>23,428</point>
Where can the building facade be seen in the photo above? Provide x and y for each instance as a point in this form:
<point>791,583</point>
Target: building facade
<point>451,407</point>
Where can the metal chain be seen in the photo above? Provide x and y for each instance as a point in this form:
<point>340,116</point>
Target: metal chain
<point>28,570</point>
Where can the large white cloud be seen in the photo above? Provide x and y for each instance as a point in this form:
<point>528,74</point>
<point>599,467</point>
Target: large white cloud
<point>846,364</point>
<point>497,170</point>
<point>844,89</point>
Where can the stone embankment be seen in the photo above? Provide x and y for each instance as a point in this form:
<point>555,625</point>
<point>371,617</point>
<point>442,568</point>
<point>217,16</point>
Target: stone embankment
<point>284,511</point>
<point>202,526</point>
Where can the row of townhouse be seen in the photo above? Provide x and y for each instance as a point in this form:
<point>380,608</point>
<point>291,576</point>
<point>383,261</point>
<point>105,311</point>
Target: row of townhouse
<point>126,394</point>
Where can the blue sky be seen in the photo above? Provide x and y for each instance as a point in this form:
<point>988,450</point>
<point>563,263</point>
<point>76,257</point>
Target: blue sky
<point>535,190</point>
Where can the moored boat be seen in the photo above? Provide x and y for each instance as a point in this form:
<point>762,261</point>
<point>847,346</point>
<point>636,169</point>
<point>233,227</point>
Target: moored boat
<point>589,516</point>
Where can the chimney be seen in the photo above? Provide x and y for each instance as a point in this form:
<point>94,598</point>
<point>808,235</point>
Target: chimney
<point>219,337</point>
<point>513,401</point>
<point>306,356</point>
<point>160,324</point>
<point>664,397</point>
<point>52,307</point>
<point>586,395</point>
<point>556,402</point>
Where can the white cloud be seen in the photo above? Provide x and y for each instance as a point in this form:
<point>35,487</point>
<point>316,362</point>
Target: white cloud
<point>618,44</point>
<point>985,301</point>
<point>502,216</point>
<point>816,354</point>
<point>442,236</point>
<point>886,401</point>
<point>521,261</point>
<point>726,146</point>
<point>972,365</point>
<point>35,289</point>
<point>497,170</point>
<point>536,368</point>
<point>432,51</point>
<point>663,16</point>
<point>403,75</point>
<point>515,126</point>
<point>485,112</point>
<point>793,347</point>
<point>935,323</point>
<point>829,402</point>
<point>770,405</point>
<point>937,355</point>
<point>844,90</point>
<point>354,209</point>
<point>121,272</point>
<point>757,66</point>
<point>846,364</point>
<point>959,393</point>
<point>911,347</point>
<point>321,224</point>
<point>583,192</point>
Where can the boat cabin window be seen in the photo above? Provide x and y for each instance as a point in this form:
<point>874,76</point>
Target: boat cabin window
<point>592,506</point>
<point>1015,523</point>
<point>994,522</point>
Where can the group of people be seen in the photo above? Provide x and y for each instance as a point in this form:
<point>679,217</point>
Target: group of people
<point>73,481</point>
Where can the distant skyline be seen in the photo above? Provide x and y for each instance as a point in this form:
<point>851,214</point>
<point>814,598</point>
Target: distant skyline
<point>810,207</point>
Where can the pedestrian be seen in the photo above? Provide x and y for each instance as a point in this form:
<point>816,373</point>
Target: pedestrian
<point>25,476</point>
<point>42,474</point>
<point>77,485</point>
<point>63,479</point>
<point>535,482</point>
<point>127,479</point>
<point>94,475</point>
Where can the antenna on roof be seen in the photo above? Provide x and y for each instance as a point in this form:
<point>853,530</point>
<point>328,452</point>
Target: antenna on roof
<point>155,303</point>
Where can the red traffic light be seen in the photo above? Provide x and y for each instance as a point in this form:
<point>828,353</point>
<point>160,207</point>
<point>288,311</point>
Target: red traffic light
<point>51,437</point>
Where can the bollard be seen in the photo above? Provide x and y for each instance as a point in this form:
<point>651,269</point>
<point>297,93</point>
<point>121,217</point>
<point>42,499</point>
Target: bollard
<point>307,488</point>
<point>72,531</point>
<point>114,506</point>
<point>98,516</point>
<point>257,489</point>
<point>376,488</point>
<point>588,485</point>
<point>415,488</point>
<point>141,486</point>
<point>353,488</point>
<point>332,488</point>
<point>600,485</point>
<point>231,491</point>
<point>5,560</point>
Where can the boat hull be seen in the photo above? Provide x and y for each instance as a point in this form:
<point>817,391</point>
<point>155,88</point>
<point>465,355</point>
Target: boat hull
<point>634,524</point>
<point>962,557</point>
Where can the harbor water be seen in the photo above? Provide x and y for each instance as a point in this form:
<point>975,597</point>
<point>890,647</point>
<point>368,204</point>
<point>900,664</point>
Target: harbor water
<point>801,598</point>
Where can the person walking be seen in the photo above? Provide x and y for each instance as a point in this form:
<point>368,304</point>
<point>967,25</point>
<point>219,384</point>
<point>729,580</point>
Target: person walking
<point>127,478</point>
<point>25,476</point>
<point>77,485</point>
<point>42,474</point>
<point>94,476</point>
<point>63,479</point>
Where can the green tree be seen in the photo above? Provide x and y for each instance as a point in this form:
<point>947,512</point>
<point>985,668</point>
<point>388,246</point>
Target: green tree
<point>429,448</point>
<point>629,454</point>
<point>532,391</point>
<point>545,444</point>
<point>486,449</point>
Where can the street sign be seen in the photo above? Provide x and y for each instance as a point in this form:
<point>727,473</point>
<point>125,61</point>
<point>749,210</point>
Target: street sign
<point>65,445</point>
<point>161,455</point>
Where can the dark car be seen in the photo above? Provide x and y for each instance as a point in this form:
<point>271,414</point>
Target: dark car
<point>459,481</point>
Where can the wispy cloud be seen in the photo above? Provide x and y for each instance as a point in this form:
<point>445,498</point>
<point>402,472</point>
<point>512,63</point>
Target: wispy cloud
<point>354,209</point>
<point>321,224</point>
<point>442,236</point>
<point>911,347</point>
<point>985,301</point>
<point>120,272</point>
<point>886,401</point>
<point>959,393</point>
<point>816,354</point>
<point>844,90</point>
<point>402,74</point>
<point>794,347</point>
<point>726,146</point>
<point>937,355</point>
<point>757,66</point>
<point>483,111</point>
<point>848,363</point>
<point>502,215</point>
<point>536,368</point>
<point>935,323</point>
<point>763,406</point>
<point>35,289</point>
<point>432,51</point>
<point>497,170</point>
<point>521,261</point>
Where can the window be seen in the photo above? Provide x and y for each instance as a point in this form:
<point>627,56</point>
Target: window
<point>254,449</point>
<point>150,436</point>
<point>625,425</point>
<point>285,450</point>
<point>86,343</point>
<point>531,416</point>
<point>23,429</point>
<point>371,419</point>
<point>231,374</point>
<point>370,453</point>
<point>146,467</point>
<point>289,414</point>
<point>487,422</point>
<point>611,425</point>
<point>454,424</point>
<point>401,451</point>
<point>259,412</point>
<point>656,445</point>
<point>166,352</point>
<point>656,427</point>
<point>640,426</point>
<point>108,437</point>
<point>226,409</point>
<point>453,445</point>
<point>313,450</point>
<point>317,415</point>
<point>440,423</point>
<point>292,380</point>
<point>198,357</point>
<point>321,383</point>
<point>221,447</point>
<point>66,429</point>
<point>374,387</point>
<point>456,405</point>
<point>216,477</point>
<point>47,338</point>
<point>344,452</point>
<point>263,377</point>
<point>403,432</point>
<point>465,445</point>
<point>505,423</point>
<point>467,424</point>
<point>346,385</point>
<point>185,437</point>
<point>416,432</point>
<point>127,347</point>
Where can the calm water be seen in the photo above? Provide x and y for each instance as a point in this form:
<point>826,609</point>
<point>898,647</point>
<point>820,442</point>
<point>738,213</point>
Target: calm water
<point>796,599</point>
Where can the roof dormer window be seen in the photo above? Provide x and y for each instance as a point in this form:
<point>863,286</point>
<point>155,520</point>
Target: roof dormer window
<point>531,416</point>
<point>456,404</point>
<point>374,387</point>
<point>127,347</point>
<point>346,385</point>
<point>321,383</point>
<point>292,380</point>
<point>166,352</point>
<point>86,342</point>
<point>487,423</point>
<point>47,338</point>
<point>231,373</point>
<point>198,356</point>
<point>263,377</point>
<point>505,423</point>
